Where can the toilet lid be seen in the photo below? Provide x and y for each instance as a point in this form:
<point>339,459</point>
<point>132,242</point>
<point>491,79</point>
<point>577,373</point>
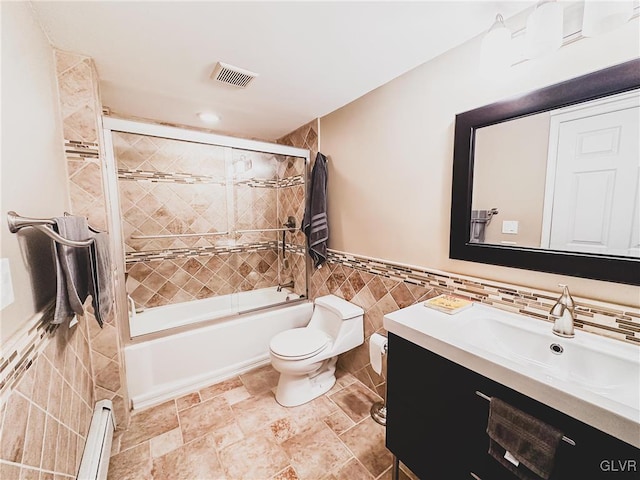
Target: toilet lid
<point>299,342</point>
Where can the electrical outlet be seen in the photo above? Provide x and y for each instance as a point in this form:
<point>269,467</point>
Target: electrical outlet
<point>510,226</point>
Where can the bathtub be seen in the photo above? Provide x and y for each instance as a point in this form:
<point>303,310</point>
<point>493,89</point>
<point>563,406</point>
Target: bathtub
<point>165,367</point>
<point>157,319</point>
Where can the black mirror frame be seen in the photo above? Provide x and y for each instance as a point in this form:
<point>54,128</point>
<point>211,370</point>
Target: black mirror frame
<point>612,80</point>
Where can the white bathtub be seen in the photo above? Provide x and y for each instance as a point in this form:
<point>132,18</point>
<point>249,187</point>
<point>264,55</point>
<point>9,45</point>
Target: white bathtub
<point>163,368</point>
<point>157,319</point>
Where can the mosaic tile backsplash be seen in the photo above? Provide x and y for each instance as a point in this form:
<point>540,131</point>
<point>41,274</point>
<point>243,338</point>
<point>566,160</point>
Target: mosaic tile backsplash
<point>189,215</point>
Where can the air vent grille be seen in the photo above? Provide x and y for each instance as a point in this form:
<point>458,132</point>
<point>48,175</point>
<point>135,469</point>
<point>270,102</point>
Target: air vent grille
<point>231,75</point>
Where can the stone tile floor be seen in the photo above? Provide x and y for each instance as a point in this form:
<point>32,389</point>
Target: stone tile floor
<point>236,430</point>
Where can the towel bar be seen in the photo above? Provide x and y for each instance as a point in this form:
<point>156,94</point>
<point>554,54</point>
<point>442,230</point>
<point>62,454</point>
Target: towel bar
<point>258,230</point>
<point>175,235</point>
<point>16,222</point>
<point>564,439</point>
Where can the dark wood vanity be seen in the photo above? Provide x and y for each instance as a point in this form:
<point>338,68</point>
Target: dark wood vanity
<point>437,418</point>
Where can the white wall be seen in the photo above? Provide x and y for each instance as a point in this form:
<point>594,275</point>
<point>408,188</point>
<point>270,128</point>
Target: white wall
<point>391,157</point>
<point>33,172</point>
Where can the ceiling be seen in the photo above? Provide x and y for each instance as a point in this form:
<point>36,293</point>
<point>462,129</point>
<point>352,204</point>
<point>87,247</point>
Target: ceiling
<point>154,59</point>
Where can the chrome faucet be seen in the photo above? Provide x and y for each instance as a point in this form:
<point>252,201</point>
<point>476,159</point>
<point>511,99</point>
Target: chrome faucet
<point>564,314</point>
<point>285,285</point>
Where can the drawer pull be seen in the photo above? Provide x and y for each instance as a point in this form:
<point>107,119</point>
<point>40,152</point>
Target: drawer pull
<point>488,398</point>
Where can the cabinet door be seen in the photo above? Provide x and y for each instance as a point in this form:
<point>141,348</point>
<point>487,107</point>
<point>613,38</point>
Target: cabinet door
<point>434,420</point>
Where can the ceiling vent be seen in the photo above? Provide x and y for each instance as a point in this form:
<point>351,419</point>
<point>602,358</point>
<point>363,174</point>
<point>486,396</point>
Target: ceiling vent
<point>238,77</point>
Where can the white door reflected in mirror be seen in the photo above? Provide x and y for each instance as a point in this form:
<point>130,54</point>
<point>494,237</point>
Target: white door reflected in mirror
<point>569,178</point>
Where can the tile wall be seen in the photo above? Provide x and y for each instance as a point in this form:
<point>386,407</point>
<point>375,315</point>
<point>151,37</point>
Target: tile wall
<point>46,402</point>
<point>173,187</point>
<point>307,137</point>
<point>81,108</point>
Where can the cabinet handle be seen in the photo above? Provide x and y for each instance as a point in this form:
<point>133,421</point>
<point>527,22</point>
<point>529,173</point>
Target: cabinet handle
<point>473,475</point>
<point>488,398</point>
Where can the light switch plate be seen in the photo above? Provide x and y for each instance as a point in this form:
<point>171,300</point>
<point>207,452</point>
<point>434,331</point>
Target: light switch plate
<point>6,287</point>
<point>510,226</point>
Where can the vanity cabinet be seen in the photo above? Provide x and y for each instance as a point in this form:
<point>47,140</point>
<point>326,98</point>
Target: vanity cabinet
<point>436,423</point>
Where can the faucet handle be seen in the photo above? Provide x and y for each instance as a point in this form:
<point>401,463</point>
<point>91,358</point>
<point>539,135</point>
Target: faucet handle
<point>566,299</point>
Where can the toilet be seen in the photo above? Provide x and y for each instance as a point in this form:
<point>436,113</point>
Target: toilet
<point>306,357</point>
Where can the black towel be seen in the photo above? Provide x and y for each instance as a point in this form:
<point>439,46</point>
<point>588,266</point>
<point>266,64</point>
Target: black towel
<point>72,268</point>
<point>101,289</point>
<point>530,441</point>
<point>314,223</point>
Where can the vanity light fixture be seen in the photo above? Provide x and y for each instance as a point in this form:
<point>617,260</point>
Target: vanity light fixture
<point>496,52</point>
<point>601,17</point>
<point>208,117</point>
<point>544,31</point>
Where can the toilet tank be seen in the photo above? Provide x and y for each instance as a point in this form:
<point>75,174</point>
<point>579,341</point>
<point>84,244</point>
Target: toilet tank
<point>331,313</point>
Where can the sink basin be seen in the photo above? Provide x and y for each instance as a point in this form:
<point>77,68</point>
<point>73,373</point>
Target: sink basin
<point>603,366</point>
<point>589,377</point>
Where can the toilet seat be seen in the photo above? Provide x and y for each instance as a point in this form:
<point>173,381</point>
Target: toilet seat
<point>299,343</point>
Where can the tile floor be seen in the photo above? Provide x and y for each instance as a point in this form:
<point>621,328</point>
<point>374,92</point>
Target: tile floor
<point>236,430</point>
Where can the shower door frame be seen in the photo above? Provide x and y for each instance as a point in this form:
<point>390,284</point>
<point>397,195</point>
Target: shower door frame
<point>109,171</point>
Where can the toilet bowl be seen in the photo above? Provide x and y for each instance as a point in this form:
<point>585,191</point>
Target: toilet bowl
<point>306,357</point>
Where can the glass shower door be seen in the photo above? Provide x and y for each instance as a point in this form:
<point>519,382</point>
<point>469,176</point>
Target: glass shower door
<point>173,201</point>
<point>268,204</point>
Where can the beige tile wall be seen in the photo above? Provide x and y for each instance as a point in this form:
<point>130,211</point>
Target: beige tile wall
<point>80,107</point>
<point>170,187</point>
<point>305,137</point>
<point>45,411</point>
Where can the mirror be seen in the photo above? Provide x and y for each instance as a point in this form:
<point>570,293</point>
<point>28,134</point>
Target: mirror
<point>532,187</point>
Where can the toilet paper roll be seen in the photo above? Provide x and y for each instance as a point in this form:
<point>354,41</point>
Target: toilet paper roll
<point>377,347</point>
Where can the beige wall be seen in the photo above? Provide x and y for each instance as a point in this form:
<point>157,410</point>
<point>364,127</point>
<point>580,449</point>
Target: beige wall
<point>32,157</point>
<point>509,170</point>
<point>391,156</point>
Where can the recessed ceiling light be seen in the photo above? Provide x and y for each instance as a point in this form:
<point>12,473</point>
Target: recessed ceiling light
<point>208,117</point>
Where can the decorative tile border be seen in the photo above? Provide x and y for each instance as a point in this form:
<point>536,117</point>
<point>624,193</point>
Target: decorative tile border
<point>209,251</point>
<point>291,181</point>
<point>297,249</point>
<point>189,178</point>
<point>277,183</point>
<point>616,321</point>
<point>257,183</point>
<point>17,357</point>
<point>81,150</point>
<point>175,177</point>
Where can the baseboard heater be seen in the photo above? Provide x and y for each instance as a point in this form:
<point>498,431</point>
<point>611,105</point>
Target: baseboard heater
<point>97,450</point>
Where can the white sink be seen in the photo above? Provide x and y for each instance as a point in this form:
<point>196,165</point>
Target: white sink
<point>594,378</point>
<point>588,361</point>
